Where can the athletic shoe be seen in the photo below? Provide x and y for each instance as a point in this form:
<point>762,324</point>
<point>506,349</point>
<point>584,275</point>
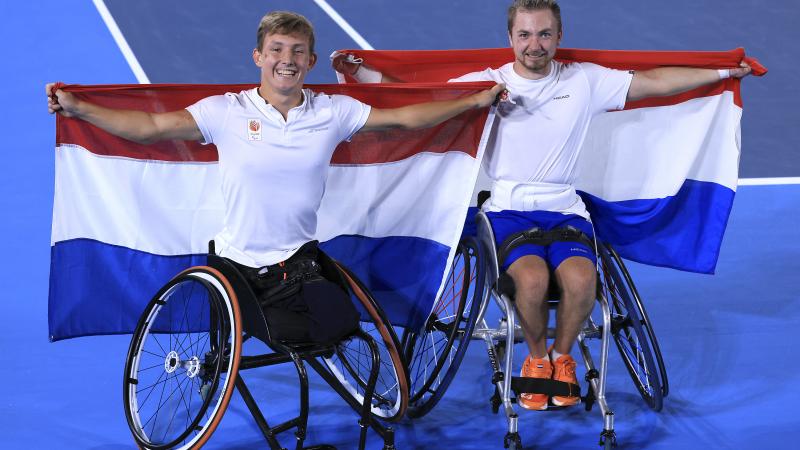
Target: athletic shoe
<point>564,370</point>
<point>535,368</point>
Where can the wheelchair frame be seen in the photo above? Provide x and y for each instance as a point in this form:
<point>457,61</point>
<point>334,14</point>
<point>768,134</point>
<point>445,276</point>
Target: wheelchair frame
<point>622,318</point>
<point>497,345</point>
<point>210,363</point>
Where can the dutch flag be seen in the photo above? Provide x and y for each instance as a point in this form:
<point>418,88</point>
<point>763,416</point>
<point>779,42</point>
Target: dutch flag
<point>128,217</point>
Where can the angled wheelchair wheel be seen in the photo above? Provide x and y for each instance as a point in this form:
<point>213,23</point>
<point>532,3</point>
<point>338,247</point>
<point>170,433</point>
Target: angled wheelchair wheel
<point>183,361</point>
<point>351,361</point>
<point>435,352</point>
<point>633,332</point>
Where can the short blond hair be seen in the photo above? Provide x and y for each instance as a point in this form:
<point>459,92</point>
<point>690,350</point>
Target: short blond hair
<point>284,22</point>
<point>533,5</point>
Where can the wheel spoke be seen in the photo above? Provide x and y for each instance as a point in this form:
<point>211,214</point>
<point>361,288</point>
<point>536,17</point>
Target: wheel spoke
<point>170,370</point>
<point>631,331</point>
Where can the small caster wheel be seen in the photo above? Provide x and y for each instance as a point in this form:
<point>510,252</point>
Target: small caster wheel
<point>608,439</point>
<point>512,441</point>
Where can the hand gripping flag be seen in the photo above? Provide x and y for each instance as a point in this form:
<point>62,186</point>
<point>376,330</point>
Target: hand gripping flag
<point>659,177</point>
<point>128,217</point>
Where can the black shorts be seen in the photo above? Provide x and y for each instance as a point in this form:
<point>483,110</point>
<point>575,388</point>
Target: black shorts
<point>303,298</point>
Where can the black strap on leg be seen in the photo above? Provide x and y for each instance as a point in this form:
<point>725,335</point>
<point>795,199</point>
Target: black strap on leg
<point>506,286</point>
<point>537,236</point>
<point>549,387</point>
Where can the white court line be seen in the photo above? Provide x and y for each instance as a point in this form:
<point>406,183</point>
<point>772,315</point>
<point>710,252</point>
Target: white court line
<point>768,181</point>
<point>141,77</point>
<point>344,25</point>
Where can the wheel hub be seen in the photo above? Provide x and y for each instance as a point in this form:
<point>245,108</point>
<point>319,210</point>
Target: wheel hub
<point>172,362</point>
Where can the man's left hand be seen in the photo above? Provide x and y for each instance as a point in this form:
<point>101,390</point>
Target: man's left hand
<point>742,71</point>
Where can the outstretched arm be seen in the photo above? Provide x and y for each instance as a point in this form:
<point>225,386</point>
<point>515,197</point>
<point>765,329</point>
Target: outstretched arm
<point>424,115</point>
<point>674,80</point>
<point>138,126</point>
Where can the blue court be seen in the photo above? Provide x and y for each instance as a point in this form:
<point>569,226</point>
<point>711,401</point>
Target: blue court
<point>727,338</point>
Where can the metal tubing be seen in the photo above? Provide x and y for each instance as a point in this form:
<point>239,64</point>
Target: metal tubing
<point>269,359</point>
<point>366,420</point>
<point>509,356</point>
<point>501,333</point>
<point>387,433</point>
<point>303,376</point>
<point>605,342</point>
<point>268,433</point>
<point>599,383</point>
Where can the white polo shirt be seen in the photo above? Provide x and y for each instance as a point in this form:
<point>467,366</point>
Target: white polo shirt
<point>532,154</point>
<point>273,170</point>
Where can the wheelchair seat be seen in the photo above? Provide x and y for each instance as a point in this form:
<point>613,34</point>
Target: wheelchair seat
<point>255,321</point>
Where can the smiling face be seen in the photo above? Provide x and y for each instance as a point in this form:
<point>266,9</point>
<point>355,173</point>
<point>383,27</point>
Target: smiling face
<point>534,37</point>
<point>284,59</point>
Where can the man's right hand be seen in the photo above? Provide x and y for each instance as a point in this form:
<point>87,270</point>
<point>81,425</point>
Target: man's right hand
<point>59,101</point>
<point>133,125</point>
<point>345,64</point>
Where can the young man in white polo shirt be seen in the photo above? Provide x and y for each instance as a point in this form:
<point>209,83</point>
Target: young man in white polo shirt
<point>531,159</point>
<point>275,141</point>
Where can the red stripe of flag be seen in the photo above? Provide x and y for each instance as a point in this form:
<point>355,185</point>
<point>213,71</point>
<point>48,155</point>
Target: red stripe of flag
<point>461,133</point>
<point>414,66</point>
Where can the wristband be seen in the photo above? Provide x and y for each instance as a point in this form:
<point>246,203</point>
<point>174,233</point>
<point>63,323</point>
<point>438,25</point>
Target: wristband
<point>724,73</point>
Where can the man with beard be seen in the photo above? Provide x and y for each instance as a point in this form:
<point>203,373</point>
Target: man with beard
<point>531,159</point>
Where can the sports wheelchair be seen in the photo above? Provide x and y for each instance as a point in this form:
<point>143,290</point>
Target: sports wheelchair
<point>435,351</point>
<point>186,357</point>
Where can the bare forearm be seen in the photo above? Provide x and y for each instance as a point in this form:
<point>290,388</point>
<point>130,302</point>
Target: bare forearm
<point>669,81</point>
<point>425,115</point>
<point>429,114</point>
<point>137,126</point>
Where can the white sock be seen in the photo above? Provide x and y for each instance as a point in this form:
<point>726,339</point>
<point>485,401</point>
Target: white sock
<point>546,357</point>
<point>554,355</point>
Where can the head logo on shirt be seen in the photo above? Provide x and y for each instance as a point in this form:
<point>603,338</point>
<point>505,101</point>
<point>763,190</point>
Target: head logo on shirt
<point>254,129</point>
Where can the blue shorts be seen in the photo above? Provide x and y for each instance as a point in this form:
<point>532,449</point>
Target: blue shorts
<point>507,222</point>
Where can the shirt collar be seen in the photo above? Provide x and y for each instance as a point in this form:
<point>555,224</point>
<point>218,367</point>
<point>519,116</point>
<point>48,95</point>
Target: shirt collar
<point>269,111</point>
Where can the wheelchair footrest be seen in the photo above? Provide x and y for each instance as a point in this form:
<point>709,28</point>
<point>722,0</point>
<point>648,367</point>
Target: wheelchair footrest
<point>544,386</point>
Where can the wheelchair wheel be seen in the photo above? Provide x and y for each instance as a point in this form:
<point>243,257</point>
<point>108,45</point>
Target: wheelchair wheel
<point>351,361</point>
<point>183,361</point>
<point>633,332</point>
<point>435,352</point>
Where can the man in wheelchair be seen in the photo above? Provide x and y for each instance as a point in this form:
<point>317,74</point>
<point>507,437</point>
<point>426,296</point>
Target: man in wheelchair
<point>273,170</point>
<point>275,144</point>
<point>553,104</point>
<point>531,159</point>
